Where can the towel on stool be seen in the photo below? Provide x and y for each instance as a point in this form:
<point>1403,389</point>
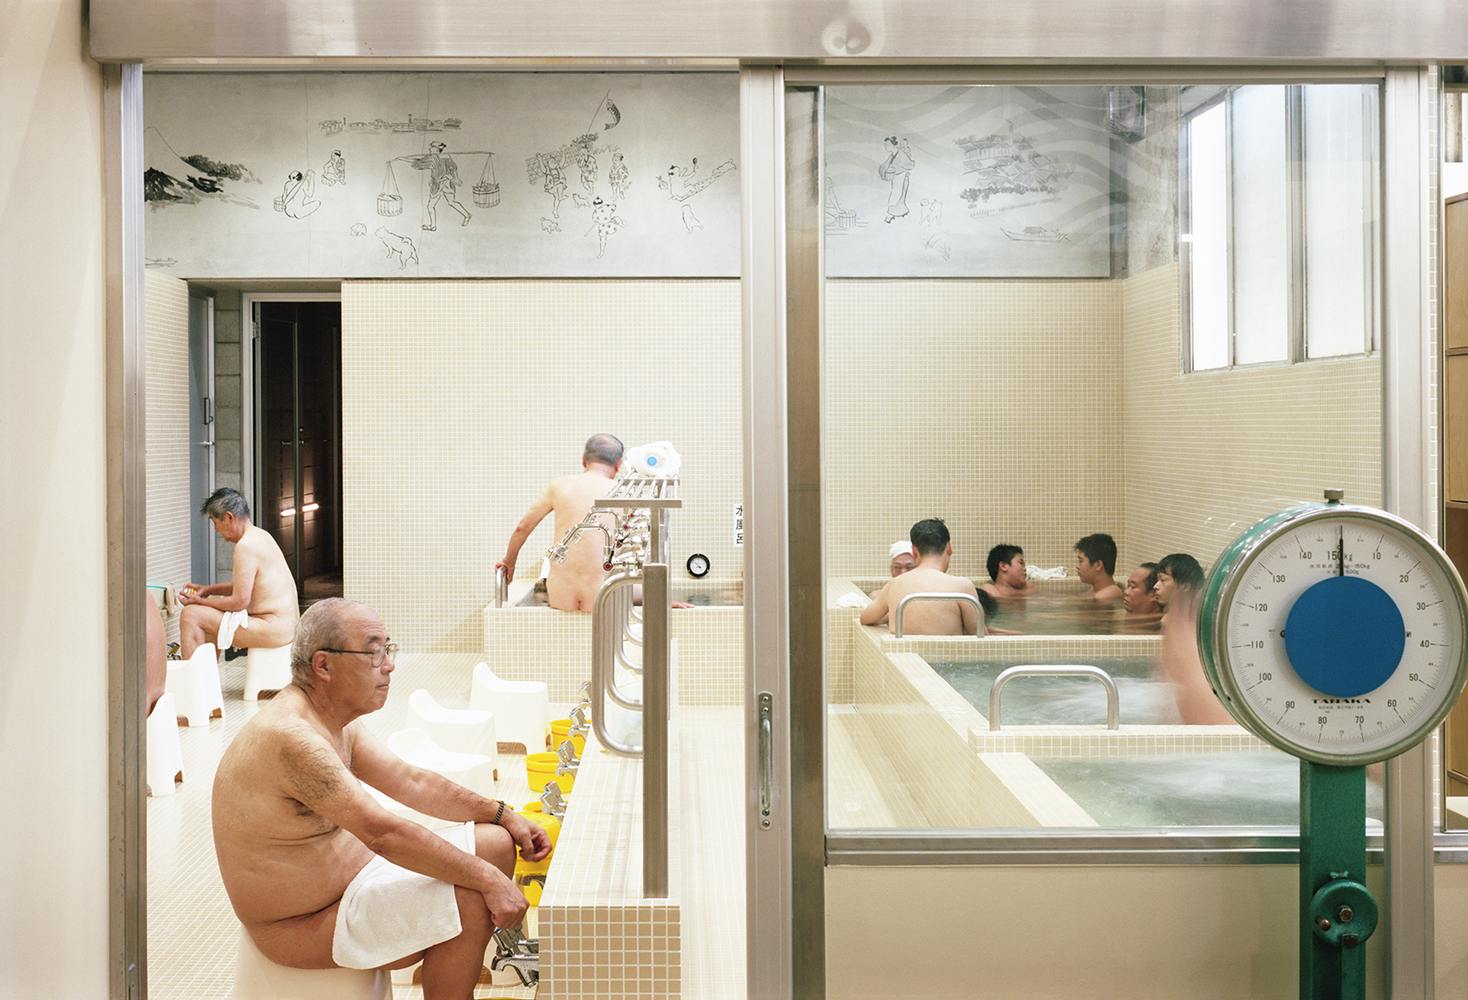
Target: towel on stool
<point>230,621</point>
<point>388,911</point>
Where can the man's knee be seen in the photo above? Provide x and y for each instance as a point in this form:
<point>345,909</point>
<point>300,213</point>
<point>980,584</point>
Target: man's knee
<point>494,844</point>
<point>192,618</point>
<point>473,912</point>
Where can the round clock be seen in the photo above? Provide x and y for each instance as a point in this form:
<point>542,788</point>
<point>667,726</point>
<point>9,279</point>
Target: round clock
<point>698,565</point>
<point>1335,633</point>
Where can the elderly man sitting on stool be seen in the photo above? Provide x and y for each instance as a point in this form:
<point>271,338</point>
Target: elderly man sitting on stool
<point>319,873</point>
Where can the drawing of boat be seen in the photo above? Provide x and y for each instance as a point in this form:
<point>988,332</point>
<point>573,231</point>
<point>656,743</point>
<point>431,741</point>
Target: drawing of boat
<point>1036,234</point>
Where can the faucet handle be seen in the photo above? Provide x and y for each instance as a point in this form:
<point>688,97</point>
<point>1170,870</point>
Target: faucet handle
<point>554,802</point>
<point>569,761</point>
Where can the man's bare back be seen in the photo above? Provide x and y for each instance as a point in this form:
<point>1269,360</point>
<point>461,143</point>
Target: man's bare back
<point>572,585</point>
<point>281,863</point>
<point>925,617</point>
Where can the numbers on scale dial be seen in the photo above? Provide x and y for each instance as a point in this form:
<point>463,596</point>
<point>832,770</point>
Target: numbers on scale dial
<point>1280,573</point>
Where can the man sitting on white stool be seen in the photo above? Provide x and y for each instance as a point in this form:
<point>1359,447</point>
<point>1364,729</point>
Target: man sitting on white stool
<point>260,599</point>
<point>319,873</point>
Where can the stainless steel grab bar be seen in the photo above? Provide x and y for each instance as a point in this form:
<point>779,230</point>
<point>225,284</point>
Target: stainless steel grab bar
<point>501,587</point>
<point>601,661</point>
<point>932,595</point>
<point>1113,705</point>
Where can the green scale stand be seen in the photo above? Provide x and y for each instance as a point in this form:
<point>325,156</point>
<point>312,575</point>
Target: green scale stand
<point>1335,633</point>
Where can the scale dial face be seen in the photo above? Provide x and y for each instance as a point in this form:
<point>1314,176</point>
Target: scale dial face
<point>1337,634</point>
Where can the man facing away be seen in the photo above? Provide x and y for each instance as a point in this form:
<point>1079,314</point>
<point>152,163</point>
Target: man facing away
<point>934,550</point>
<point>1096,566</point>
<point>318,872</point>
<point>572,584</point>
<point>261,586</point>
<point>1006,566</point>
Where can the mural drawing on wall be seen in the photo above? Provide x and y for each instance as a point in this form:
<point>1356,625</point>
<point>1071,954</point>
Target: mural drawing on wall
<point>169,178</point>
<point>600,197</point>
<point>1028,170</point>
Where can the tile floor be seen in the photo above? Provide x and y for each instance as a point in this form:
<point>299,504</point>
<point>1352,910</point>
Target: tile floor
<point>192,932</point>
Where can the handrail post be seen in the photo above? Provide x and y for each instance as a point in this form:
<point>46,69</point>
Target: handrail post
<point>501,587</point>
<point>602,638</point>
<point>933,595</point>
<point>1113,701</point>
<point>655,656</point>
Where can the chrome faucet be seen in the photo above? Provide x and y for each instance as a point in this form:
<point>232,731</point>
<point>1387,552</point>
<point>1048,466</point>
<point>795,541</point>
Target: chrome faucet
<point>569,762</point>
<point>553,801</point>
<point>557,552</point>
<point>514,951</point>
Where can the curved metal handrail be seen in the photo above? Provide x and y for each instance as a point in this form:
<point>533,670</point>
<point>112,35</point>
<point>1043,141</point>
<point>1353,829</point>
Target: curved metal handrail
<point>501,587</point>
<point>1113,703</point>
<point>602,668</point>
<point>933,595</point>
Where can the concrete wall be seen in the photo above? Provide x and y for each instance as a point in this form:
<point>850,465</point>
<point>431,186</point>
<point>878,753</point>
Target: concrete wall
<point>53,592</point>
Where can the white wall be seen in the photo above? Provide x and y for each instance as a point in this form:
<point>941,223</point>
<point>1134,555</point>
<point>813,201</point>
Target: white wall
<point>53,591</point>
<point>170,508</point>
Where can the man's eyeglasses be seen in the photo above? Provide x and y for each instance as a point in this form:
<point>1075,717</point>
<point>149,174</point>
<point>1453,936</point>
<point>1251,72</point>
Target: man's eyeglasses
<point>380,655</point>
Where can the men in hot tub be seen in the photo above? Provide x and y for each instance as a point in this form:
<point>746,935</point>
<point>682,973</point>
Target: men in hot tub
<point>934,549</point>
<point>1096,566</point>
<point>572,584</point>
<point>1140,593</point>
<point>902,559</point>
<point>1180,582</point>
<point>1006,565</point>
<point>318,872</point>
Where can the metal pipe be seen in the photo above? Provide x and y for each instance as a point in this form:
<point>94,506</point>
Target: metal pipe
<point>655,733</point>
<point>501,587</point>
<point>930,595</point>
<point>602,638</point>
<point>1113,707</point>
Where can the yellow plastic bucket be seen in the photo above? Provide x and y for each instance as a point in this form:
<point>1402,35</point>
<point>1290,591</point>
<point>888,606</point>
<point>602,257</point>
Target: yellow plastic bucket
<point>532,891</point>
<point>560,730</point>
<point>540,770</point>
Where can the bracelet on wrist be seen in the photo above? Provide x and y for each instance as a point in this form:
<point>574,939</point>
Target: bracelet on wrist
<point>498,813</point>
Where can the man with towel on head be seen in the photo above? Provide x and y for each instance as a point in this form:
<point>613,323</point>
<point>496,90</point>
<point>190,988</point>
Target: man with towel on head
<point>258,608</point>
<point>901,558</point>
<point>320,874</point>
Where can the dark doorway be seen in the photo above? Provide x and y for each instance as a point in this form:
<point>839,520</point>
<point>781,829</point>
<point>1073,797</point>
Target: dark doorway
<point>299,440</point>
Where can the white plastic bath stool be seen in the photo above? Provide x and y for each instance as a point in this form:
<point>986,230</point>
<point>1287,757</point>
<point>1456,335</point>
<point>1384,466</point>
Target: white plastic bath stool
<point>258,978</point>
<point>266,670</point>
<point>474,771</point>
<point>463,730</point>
<point>165,755</point>
<point>521,708</point>
<point>194,684</point>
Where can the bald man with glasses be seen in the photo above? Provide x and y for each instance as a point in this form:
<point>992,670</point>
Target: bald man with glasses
<point>319,873</point>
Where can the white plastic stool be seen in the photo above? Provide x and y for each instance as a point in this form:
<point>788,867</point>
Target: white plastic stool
<point>194,684</point>
<point>258,978</point>
<point>521,708</point>
<point>465,730</point>
<point>165,755</point>
<point>474,771</point>
<point>266,669</point>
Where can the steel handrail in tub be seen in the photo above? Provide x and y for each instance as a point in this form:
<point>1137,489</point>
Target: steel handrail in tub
<point>1113,705</point>
<point>602,666</point>
<point>932,595</point>
<point>501,587</point>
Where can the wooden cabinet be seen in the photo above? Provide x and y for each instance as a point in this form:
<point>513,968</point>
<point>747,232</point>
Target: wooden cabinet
<point>1455,429</point>
<point>1455,271</point>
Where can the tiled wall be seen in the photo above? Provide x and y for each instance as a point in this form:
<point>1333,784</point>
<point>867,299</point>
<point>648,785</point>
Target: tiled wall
<point>1209,453</point>
<point>229,468</point>
<point>169,506</point>
<point>995,405</point>
<point>462,399</point>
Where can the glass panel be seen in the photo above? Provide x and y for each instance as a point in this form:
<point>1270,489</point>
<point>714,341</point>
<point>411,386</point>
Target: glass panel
<point>1001,353</point>
<point>1261,224</point>
<point>1208,240</point>
<point>1339,177</point>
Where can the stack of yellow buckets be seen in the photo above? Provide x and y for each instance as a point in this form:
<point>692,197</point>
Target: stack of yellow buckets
<point>540,770</point>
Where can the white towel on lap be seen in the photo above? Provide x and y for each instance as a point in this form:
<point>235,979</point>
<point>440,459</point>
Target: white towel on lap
<point>389,912</point>
<point>232,620</point>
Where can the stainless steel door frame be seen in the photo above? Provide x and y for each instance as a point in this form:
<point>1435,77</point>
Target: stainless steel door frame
<point>1409,447</point>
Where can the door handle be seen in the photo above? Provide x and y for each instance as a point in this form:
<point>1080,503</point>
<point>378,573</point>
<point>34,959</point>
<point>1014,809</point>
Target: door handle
<point>766,759</point>
<point>206,444</point>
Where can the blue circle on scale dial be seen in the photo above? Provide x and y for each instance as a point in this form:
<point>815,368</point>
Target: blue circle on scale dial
<point>1345,636</point>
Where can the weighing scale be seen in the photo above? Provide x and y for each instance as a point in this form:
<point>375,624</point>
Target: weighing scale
<point>1336,633</point>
